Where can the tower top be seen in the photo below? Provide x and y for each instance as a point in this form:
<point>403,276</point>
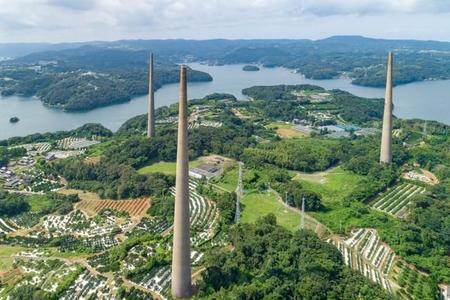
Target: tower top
<point>386,137</point>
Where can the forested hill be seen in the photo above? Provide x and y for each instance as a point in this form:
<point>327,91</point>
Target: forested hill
<point>363,59</point>
<point>87,77</point>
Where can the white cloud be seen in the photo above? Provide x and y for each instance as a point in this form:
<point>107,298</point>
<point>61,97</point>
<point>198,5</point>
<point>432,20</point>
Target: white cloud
<point>70,20</point>
<point>337,7</point>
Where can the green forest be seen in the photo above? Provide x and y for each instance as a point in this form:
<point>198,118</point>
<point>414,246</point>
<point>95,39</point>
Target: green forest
<point>264,259</point>
<point>269,262</point>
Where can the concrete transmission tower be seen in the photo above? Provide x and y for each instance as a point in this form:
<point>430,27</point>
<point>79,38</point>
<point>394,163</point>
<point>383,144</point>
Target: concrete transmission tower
<point>239,194</point>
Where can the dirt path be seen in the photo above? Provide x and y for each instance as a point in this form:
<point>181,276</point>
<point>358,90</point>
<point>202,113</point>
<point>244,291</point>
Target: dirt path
<point>319,177</point>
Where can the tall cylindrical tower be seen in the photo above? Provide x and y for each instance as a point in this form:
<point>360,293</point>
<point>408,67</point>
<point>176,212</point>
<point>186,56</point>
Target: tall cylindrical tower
<point>386,137</point>
<point>181,257</point>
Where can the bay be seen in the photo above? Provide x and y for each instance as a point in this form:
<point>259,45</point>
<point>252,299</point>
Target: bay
<point>428,100</point>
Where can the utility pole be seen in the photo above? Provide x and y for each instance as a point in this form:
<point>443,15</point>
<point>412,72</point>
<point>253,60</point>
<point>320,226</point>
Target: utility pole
<point>239,194</point>
<point>302,225</point>
<point>424,134</point>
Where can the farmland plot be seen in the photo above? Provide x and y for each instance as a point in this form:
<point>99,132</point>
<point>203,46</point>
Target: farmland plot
<point>397,200</point>
<point>25,220</point>
<point>88,286</point>
<point>134,207</point>
<point>46,274</point>
<point>76,223</point>
<point>38,147</point>
<point>74,143</point>
<point>97,243</point>
<point>159,280</point>
<point>155,225</point>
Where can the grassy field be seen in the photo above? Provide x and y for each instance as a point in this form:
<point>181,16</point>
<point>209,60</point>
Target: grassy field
<point>285,130</point>
<point>37,202</point>
<point>273,125</point>
<point>257,205</point>
<point>334,185</point>
<point>54,252</point>
<point>229,180</point>
<point>165,167</point>
<point>6,260</point>
<point>6,250</point>
<point>99,149</point>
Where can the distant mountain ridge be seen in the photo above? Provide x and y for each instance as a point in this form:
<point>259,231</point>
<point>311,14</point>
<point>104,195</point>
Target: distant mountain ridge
<point>21,49</point>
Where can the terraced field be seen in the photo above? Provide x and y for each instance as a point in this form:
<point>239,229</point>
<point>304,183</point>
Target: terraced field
<point>397,200</point>
<point>88,286</point>
<point>155,225</point>
<point>365,252</point>
<point>203,215</point>
<point>75,143</point>
<point>7,226</point>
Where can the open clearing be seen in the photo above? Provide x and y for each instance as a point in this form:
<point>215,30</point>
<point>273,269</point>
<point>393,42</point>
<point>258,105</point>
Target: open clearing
<point>289,133</point>
<point>273,125</point>
<point>84,195</point>
<point>6,253</point>
<point>285,130</point>
<point>37,202</point>
<point>333,185</point>
<point>166,167</point>
<point>228,181</point>
<point>258,205</point>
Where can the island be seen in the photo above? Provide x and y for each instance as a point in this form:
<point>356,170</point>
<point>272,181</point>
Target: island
<point>250,68</point>
<point>84,79</point>
<point>14,120</point>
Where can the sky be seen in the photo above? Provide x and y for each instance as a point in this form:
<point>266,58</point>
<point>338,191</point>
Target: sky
<point>88,20</point>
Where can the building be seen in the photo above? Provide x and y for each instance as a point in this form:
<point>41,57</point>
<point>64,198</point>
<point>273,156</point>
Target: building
<point>205,171</point>
<point>26,161</point>
<point>50,157</point>
<point>12,183</point>
<point>444,291</point>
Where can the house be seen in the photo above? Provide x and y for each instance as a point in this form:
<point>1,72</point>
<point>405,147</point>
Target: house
<point>26,161</point>
<point>50,157</point>
<point>12,183</point>
<point>444,291</point>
